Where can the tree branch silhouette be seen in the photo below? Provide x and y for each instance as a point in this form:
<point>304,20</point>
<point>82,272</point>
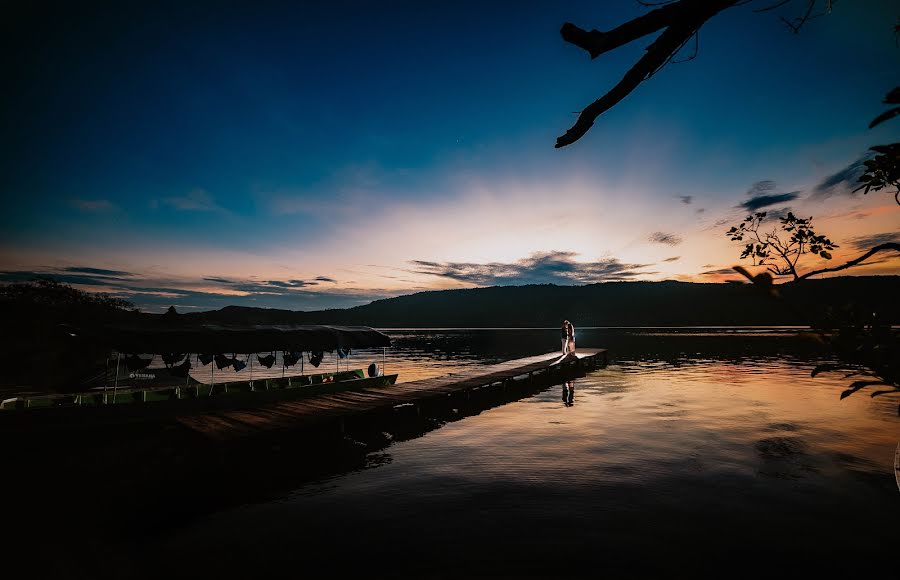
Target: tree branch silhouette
<point>879,248</point>
<point>773,6</point>
<point>680,20</point>
<point>797,23</point>
<point>797,238</point>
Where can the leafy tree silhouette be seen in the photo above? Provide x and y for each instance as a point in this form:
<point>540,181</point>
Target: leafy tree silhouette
<point>780,253</point>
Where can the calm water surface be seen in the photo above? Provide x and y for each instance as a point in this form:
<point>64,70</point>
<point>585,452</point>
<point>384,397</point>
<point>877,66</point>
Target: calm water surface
<point>692,450</point>
<point>707,451</point>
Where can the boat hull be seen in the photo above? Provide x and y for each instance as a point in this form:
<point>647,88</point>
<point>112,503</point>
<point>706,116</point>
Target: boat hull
<point>90,410</point>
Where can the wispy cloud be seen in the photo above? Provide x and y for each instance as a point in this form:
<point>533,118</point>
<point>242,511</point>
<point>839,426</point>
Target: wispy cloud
<point>718,272</point>
<point>843,181</point>
<point>539,268</point>
<point>686,199</point>
<point>250,294</point>
<point>672,259</point>
<point>290,283</point>
<point>96,271</point>
<point>65,276</point>
<point>665,238</point>
<point>197,200</point>
<point>864,243</point>
<point>778,213</point>
<point>767,200</point>
<point>262,286</point>
<point>153,293</point>
<point>764,194</point>
<point>92,205</point>
<point>723,221</point>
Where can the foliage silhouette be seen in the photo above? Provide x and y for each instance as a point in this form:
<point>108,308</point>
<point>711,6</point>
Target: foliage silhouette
<point>883,169</point>
<point>35,318</point>
<point>49,293</point>
<point>780,253</point>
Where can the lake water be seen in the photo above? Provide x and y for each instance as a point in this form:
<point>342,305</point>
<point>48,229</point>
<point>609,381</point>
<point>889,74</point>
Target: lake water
<point>694,451</point>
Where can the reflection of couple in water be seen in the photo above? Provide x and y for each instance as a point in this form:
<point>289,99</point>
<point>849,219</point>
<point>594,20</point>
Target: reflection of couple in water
<point>568,393</point>
<point>567,335</point>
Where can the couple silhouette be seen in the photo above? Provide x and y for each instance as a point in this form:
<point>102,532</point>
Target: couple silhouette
<point>567,335</point>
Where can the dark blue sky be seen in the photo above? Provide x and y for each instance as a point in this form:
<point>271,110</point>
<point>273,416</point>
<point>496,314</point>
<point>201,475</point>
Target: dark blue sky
<point>351,140</point>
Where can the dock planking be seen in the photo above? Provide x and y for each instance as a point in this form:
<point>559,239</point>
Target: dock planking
<point>319,409</point>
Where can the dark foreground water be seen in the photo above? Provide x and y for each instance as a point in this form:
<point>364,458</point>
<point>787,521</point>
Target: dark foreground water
<point>699,451</point>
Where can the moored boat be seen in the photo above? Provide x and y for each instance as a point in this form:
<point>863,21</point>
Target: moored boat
<point>129,402</point>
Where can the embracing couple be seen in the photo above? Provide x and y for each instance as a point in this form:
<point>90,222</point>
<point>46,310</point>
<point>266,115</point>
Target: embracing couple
<point>567,334</point>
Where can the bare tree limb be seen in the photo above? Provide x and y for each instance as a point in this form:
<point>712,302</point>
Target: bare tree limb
<point>693,54</point>
<point>773,6</point>
<point>681,20</point>
<point>656,56</point>
<point>797,23</point>
<point>597,42</point>
<point>880,248</point>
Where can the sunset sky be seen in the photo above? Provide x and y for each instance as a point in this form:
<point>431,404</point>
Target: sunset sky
<point>333,153</point>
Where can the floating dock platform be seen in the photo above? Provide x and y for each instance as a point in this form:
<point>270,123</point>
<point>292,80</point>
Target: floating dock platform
<point>319,410</point>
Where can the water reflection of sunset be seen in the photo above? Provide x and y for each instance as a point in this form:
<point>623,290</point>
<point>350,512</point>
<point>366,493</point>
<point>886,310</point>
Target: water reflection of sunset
<point>705,455</point>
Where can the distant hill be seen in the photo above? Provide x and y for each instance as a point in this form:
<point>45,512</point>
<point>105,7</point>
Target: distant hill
<point>607,304</point>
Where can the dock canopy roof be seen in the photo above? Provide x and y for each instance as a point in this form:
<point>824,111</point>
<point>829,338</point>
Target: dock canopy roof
<point>237,338</point>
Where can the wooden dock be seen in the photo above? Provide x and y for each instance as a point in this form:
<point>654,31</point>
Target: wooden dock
<point>336,407</point>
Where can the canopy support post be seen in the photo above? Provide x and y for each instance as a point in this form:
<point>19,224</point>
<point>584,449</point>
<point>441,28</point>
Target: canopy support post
<point>105,379</point>
<point>233,358</point>
<point>116,387</point>
<point>383,351</point>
